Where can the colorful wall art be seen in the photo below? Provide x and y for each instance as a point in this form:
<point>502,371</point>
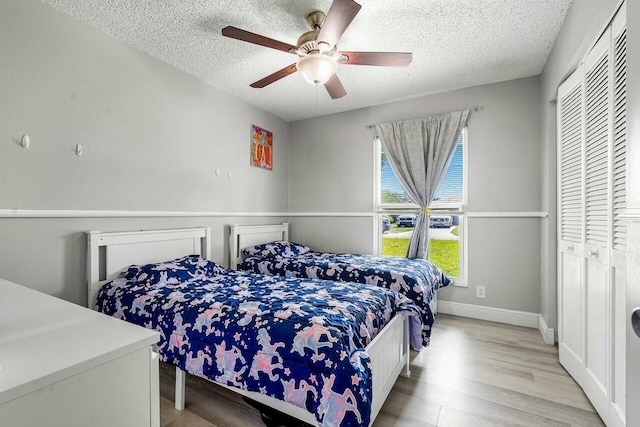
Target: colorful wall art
<point>261,148</point>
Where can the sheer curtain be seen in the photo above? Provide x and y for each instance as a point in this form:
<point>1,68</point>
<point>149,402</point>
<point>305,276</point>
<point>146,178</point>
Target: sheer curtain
<point>419,152</point>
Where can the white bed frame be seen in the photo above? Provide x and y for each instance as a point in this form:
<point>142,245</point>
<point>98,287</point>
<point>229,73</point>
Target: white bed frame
<point>243,236</point>
<point>110,253</point>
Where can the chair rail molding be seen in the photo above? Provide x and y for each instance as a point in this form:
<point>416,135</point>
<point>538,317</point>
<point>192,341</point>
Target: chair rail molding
<point>97,213</point>
<point>631,214</point>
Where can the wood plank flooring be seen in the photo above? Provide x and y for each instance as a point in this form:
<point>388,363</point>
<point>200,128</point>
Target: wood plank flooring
<point>474,373</point>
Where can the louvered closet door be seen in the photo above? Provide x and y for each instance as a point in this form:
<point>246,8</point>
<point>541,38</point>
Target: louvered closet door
<point>571,293</point>
<point>598,107</point>
<point>592,162</point>
<point>617,260</point>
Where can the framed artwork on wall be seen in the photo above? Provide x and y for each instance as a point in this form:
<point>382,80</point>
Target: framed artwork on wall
<point>261,148</point>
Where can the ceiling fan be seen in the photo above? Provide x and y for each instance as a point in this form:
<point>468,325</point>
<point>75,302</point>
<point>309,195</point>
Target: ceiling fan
<point>318,57</point>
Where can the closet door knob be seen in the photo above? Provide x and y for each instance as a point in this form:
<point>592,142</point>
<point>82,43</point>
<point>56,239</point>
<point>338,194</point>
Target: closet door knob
<point>593,253</point>
<point>569,248</point>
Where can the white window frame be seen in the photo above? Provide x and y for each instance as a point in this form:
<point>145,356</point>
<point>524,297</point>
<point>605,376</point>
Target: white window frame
<point>455,209</point>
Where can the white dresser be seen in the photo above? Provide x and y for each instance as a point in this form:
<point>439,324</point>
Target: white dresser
<point>65,365</point>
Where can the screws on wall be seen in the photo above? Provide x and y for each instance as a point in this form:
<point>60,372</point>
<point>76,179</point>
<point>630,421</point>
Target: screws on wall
<point>25,141</point>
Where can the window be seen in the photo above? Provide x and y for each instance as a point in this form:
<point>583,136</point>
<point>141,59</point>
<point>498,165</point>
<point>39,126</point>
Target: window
<point>446,221</point>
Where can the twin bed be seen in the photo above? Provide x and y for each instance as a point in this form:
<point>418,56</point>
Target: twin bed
<point>325,352</point>
<point>265,249</point>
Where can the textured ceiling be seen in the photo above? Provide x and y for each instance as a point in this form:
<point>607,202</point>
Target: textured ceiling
<point>455,44</point>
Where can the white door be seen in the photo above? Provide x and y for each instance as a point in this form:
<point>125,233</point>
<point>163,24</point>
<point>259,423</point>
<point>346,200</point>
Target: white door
<point>594,269</point>
<point>571,294</point>
<point>598,95</point>
<point>618,242</point>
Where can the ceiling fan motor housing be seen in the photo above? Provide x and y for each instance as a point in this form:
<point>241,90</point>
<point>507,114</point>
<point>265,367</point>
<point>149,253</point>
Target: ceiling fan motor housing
<point>307,41</point>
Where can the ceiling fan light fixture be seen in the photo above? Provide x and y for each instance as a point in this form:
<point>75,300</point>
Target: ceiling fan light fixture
<point>317,69</point>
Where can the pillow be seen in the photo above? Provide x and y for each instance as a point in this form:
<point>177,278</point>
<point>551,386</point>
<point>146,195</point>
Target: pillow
<point>175,271</point>
<point>274,249</point>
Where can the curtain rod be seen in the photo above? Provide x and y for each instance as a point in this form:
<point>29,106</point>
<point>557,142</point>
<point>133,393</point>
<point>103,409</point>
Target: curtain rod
<point>476,108</point>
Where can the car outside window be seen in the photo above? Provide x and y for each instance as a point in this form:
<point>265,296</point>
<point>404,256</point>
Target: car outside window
<point>440,221</point>
<point>407,220</point>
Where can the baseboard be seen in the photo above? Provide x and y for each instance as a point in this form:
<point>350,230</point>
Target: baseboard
<point>548,334</point>
<point>492,314</point>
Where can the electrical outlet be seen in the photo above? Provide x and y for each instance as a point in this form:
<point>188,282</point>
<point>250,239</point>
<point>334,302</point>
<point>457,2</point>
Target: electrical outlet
<point>480,292</point>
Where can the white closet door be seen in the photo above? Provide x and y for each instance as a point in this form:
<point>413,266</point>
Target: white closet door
<point>618,155</point>
<point>571,292</point>
<point>597,222</point>
<point>592,159</point>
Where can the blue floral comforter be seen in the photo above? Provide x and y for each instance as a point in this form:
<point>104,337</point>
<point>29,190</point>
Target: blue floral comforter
<point>298,340</point>
<point>415,278</point>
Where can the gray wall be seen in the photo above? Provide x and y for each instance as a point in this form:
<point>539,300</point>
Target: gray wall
<point>152,138</point>
<point>50,255</point>
<point>332,170</point>
<point>582,25</point>
<point>334,234</point>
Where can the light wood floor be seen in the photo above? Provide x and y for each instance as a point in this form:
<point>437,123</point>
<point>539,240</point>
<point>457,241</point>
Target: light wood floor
<point>473,374</point>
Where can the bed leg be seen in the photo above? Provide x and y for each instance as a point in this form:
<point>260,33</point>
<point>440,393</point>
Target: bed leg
<point>180,389</point>
<point>406,371</point>
<point>434,303</point>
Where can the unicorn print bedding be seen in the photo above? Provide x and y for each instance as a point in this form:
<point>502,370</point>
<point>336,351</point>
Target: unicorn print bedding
<point>417,279</point>
<point>298,340</point>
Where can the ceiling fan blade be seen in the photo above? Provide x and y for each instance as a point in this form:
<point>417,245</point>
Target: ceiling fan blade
<point>340,15</point>
<point>335,88</point>
<point>384,59</point>
<point>289,69</point>
<point>237,33</point>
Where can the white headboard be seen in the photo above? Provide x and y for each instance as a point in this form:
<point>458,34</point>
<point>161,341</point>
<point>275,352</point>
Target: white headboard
<point>243,236</point>
<point>122,249</point>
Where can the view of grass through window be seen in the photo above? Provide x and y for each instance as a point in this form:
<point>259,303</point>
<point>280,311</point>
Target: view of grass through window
<point>444,227</point>
<point>444,249</point>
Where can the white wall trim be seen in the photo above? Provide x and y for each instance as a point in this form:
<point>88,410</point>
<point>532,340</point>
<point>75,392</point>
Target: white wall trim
<point>71,213</point>
<point>50,213</point>
<point>500,315</point>
<point>492,314</point>
<point>548,334</point>
<point>507,214</point>
<point>334,214</point>
<point>631,214</point>
<point>77,213</point>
